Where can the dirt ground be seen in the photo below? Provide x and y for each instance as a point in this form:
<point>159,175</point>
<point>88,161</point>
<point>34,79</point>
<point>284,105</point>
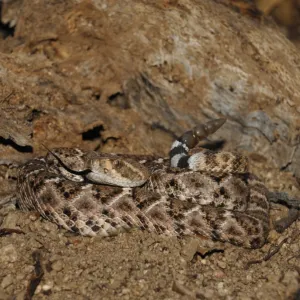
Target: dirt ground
<point>128,77</point>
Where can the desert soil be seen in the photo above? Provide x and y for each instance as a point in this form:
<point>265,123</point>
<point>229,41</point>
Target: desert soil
<point>128,77</point>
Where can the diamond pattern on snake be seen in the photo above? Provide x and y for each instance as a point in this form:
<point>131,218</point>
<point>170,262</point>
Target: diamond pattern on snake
<point>195,192</point>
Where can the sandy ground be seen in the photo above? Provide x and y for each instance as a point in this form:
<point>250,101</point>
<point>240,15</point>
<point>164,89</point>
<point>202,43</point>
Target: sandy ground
<point>118,77</point>
<point>139,265</point>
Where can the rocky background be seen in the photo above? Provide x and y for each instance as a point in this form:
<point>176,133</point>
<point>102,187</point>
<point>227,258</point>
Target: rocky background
<point>128,77</point>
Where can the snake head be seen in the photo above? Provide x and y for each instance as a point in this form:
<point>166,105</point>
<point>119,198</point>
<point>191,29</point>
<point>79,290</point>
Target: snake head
<point>119,171</point>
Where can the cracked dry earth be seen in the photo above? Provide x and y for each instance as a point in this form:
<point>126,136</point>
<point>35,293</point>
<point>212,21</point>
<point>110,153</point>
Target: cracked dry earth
<point>127,77</point>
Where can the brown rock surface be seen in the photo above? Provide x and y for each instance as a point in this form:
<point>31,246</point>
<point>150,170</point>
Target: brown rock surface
<point>129,76</point>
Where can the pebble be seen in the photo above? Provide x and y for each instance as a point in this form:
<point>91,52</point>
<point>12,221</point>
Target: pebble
<point>188,251</point>
<point>33,217</point>
<point>38,290</point>
<point>57,265</point>
<point>222,264</point>
<point>209,294</point>
<point>48,227</point>
<point>295,248</point>
<point>221,290</point>
<point>10,221</point>
<point>290,277</point>
<point>125,291</point>
<point>219,274</point>
<point>47,287</point>
<point>8,254</point>
<point>7,280</point>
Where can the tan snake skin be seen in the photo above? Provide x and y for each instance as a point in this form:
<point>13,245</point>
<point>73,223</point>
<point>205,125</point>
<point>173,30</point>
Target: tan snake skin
<point>206,193</point>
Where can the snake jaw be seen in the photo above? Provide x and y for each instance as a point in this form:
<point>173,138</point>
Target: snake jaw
<point>112,170</point>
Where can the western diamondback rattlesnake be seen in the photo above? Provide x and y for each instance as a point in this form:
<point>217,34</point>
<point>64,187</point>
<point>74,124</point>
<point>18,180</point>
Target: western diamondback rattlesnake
<point>195,192</point>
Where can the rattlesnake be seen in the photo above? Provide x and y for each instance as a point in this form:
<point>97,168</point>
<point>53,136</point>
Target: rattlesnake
<point>194,192</point>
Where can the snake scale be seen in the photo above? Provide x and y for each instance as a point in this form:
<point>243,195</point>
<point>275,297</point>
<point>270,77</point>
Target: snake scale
<point>193,192</point>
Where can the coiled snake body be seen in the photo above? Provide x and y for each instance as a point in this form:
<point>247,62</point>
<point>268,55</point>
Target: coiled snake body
<point>194,192</point>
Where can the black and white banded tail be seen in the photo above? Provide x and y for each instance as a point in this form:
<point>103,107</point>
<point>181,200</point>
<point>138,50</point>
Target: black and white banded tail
<point>206,160</point>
